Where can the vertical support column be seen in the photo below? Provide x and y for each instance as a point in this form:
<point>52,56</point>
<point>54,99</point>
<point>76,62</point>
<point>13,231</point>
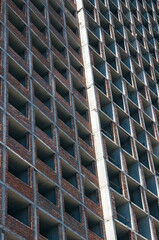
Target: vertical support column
<point>4,154</point>
<point>56,132</point>
<point>35,223</point>
<point>95,121</point>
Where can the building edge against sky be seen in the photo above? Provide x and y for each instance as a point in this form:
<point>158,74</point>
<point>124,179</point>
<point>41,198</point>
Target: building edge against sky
<point>79,119</point>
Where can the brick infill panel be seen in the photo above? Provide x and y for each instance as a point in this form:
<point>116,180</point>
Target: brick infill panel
<point>43,83</point>
<point>40,57</point>
<point>90,176</point>
<point>23,90</point>
<point>35,10</point>
<point>71,189</point>
<point>19,149</point>
<point>78,56</point>
<point>18,34</point>
<point>74,224</point>
<point>72,34</point>
<point>93,206</point>
<point>18,59</point>
<point>69,158</point>
<point>45,138</point>
<point>19,186</point>
<point>80,97</point>
<point>60,56</point>
<point>57,16</point>
<point>93,236</point>
<point>77,74</point>
<point>59,76</point>
<point>57,34</point>
<point>19,116</point>
<point>19,228</point>
<point>38,33</point>
<point>63,102</point>
<point>82,120</point>
<point>73,19</point>
<point>85,146</point>
<point>45,204</point>
<point>70,131</point>
<point>42,167</point>
<point>49,113</point>
<point>13,6</point>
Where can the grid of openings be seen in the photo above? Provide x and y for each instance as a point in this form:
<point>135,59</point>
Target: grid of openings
<point>47,156</point>
<point>124,46</point>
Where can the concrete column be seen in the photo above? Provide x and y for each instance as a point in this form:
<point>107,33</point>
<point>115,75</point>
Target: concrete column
<point>96,130</point>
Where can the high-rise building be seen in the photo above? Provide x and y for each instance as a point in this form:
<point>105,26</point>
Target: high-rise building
<point>79,119</point>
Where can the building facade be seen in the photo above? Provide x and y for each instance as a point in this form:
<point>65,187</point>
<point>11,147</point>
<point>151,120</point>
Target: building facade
<point>79,128</point>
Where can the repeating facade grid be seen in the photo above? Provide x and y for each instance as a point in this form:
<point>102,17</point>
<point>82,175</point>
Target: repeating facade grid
<point>79,128</point>
<point>49,186</point>
<point>122,40</point>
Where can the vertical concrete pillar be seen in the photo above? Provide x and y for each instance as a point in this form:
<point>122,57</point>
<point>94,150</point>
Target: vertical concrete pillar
<point>99,149</point>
